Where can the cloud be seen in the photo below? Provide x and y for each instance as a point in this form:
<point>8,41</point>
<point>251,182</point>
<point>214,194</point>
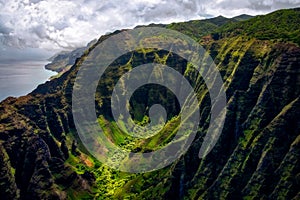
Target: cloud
<point>67,24</point>
<point>11,54</point>
<point>273,4</point>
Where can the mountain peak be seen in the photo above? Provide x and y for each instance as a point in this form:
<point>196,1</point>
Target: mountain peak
<point>242,17</point>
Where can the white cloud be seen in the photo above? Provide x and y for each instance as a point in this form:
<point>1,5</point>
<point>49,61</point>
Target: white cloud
<point>57,24</point>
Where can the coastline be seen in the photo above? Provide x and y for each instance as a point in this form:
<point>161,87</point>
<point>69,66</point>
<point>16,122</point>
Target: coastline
<point>18,78</point>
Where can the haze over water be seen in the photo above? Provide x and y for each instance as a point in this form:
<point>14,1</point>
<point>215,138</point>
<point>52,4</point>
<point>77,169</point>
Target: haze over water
<point>18,78</point>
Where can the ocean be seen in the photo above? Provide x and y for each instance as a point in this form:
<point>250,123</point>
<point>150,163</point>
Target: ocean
<point>20,78</point>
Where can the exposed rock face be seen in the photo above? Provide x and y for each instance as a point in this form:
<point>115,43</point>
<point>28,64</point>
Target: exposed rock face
<point>257,154</point>
<point>256,157</point>
<point>34,138</point>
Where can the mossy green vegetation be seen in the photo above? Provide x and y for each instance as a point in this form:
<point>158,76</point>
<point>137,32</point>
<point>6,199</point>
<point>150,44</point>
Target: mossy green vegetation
<point>257,155</point>
<point>281,25</point>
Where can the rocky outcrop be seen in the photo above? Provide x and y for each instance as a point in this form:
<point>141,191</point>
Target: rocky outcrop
<point>62,61</point>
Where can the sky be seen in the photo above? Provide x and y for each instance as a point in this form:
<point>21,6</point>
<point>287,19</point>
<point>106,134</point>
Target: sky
<point>54,25</point>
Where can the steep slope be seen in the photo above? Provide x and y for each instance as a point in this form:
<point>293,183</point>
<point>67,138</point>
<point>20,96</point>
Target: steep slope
<point>281,25</point>
<point>64,60</point>
<point>260,135</point>
<point>257,155</point>
<point>196,29</point>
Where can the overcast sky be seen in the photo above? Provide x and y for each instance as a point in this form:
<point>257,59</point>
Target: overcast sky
<point>57,24</point>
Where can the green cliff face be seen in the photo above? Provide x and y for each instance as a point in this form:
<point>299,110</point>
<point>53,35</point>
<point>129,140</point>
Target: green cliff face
<point>256,157</point>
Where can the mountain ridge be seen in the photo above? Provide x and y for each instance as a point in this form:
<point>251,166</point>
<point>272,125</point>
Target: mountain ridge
<point>257,155</point>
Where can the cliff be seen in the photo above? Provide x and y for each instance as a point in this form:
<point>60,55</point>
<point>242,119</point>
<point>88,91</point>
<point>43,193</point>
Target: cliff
<point>256,157</point>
